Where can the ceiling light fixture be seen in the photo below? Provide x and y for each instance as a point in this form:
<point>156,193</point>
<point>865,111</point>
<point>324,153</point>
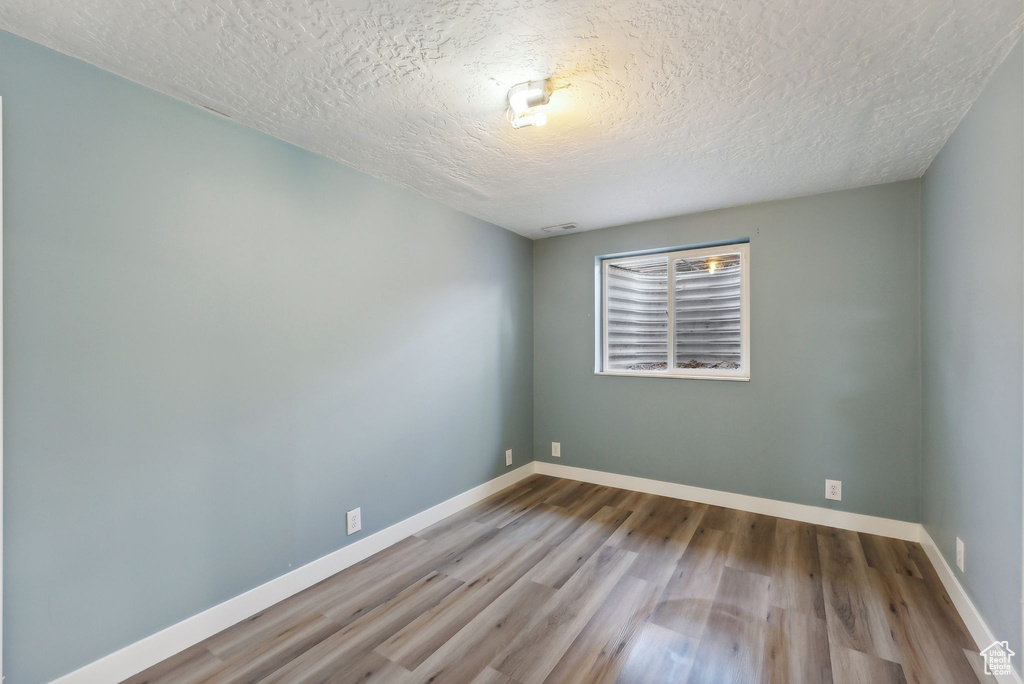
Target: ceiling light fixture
<point>523,103</point>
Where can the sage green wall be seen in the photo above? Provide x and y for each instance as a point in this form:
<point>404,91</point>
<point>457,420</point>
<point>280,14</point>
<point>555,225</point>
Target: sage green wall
<point>835,383</point>
<point>216,344</point>
<point>973,348</point>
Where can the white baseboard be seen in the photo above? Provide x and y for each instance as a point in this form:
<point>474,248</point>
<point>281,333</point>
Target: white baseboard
<point>898,529</point>
<point>976,624</point>
<point>143,654</point>
<point>147,652</point>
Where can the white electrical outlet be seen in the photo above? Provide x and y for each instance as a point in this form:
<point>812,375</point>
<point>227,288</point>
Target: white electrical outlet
<point>353,521</point>
<point>508,457</point>
<point>556,449</point>
<point>960,553</point>
<point>834,490</point>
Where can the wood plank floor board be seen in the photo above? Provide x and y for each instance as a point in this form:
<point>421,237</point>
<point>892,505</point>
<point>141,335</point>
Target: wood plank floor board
<point>552,580</point>
<point>491,676</point>
<point>535,650</point>
<point>426,634</point>
<point>855,609</point>
<point>732,645</point>
<point>336,653</point>
<point>753,546</point>
<point>566,558</point>
<point>572,493</point>
<point>926,643</point>
<point>260,628</point>
<point>850,666</point>
<point>724,519</point>
<point>263,658</point>
<point>796,649</point>
<point>941,599</point>
<point>469,514</point>
<point>463,657</point>
<point>551,523</point>
<point>686,602</point>
<point>531,496</point>
<point>369,668</point>
<point>796,571</point>
<point>630,501</point>
<point>504,503</point>
<point>538,480</point>
<point>654,520</point>
<point>888,555</point>
<point>658,655</point>
<point>191,665</point>
<point>545,523</point>
<point>351,580</point>
<point>658,532</point>
<point>605,644</point>
<point>600,497</point>
<point>479,558</point>
<point>356,598</point>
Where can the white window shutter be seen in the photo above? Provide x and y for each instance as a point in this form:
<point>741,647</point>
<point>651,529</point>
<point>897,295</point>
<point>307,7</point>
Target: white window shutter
<point>637,315</point>
<point>707,312</point>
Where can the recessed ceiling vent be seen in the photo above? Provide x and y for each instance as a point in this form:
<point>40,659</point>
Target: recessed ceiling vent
<point>560,228</point>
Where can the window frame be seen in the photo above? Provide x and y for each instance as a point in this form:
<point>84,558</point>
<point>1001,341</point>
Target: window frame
<point>742,373</point>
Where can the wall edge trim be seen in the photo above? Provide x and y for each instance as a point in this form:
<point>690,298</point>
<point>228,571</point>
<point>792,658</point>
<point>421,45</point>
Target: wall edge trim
<point>143,654</point>
<point>969,612</point>
<point>858,522</point>
<point>149,651</point>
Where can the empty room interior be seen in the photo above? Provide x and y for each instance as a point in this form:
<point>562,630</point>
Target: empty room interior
<point>512,341</point>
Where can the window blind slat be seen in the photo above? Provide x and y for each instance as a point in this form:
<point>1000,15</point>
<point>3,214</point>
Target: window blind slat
<point>637,315</point>
<point>706,297</point>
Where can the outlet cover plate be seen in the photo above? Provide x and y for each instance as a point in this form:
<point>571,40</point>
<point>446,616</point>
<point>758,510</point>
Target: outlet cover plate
<point>556,449</point>
<point>960,553</point>
<point>508,457</point>
<point>834,490</point>
<point>353,521</point>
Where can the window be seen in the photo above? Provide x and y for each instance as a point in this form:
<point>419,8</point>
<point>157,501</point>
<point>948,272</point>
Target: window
<point>706,327</point>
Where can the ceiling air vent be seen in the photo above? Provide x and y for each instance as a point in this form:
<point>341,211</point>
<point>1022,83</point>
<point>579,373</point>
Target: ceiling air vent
<point>560,228</point>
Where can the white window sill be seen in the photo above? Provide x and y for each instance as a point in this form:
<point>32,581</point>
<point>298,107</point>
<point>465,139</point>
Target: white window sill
<point>685,376</point>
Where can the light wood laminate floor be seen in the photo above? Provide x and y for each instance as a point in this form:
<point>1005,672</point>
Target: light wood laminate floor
<point>553,580</point>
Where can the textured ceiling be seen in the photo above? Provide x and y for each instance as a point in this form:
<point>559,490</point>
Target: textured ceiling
<point>660,108</point>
